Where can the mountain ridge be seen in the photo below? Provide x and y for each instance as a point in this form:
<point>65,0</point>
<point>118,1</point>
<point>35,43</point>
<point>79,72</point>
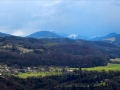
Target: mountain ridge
<point>44,34</point>
<point>104,37</point>
<point>4,34</point>
<point>111,37</point>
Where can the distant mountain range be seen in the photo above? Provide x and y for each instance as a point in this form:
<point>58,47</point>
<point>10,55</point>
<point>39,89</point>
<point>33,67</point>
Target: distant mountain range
<point>112,37</point>
<point>48,34</point>
<point>4,34</point>
<point>74,36</point>
<point>99,38</point>
<point>82,37</point>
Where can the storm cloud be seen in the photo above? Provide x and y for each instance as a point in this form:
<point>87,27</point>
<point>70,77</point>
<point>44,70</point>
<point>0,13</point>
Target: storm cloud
<point>85,17</point>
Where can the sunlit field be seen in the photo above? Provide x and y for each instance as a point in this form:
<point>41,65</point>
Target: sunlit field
<point>35,74</point>
<point>110,66</point>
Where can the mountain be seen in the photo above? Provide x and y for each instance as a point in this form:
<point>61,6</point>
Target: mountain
<point>44,34</point>
<point>115,39</point>
<point>4,34</point>
<point>74,36</point>
<point>104,37</point>
<point>82,37</point>
<point>110,38</point>
<point>64,35</point>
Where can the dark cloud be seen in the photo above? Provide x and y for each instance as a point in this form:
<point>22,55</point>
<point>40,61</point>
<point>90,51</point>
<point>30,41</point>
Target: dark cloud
<point>88,17</point>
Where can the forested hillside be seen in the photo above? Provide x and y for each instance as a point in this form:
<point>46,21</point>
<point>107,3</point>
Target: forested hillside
<point>106,48</point>
<point>78,80</point>
<point>18,53</point>
<point>57,52</point>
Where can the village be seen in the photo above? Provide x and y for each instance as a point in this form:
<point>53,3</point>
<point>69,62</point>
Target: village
<point>6,70</point>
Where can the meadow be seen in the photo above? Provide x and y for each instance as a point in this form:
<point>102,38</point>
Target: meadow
<point>110,66</point>
<point>36,74</point>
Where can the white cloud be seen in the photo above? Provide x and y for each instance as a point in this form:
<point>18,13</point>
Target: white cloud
<point>72,36</point>
<point>18,33</point>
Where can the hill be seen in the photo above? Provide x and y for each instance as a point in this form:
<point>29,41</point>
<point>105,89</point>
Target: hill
<point>44,34</point>
<point>49,51</point>
<point>115,39</point>
<point>110,38</point>
<point>82,37</point>
<point>4,34</point>
<point>98,38</point>
<point>110,49</point>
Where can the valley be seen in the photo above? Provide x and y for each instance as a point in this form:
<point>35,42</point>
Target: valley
<point>58,63</point>
<point>59,45</point>
<point>43,71</point>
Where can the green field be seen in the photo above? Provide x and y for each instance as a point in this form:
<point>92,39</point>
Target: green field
<point>110,66</point>
<point>35,74</point>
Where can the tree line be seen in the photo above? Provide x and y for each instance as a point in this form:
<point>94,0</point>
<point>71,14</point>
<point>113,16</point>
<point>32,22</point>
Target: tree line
<point>78,80</point>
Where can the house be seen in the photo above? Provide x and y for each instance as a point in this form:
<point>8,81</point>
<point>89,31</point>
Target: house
<point>69,71</point>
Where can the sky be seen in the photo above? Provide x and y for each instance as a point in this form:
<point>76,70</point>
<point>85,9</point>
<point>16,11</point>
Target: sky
<point>83,17</point>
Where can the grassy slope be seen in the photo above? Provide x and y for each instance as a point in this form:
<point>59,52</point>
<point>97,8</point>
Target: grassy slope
<point>108,67</point>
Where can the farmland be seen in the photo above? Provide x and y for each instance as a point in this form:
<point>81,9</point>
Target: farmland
<point>110,66</point>
<point>37,74</point>
<point>54,70</point>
